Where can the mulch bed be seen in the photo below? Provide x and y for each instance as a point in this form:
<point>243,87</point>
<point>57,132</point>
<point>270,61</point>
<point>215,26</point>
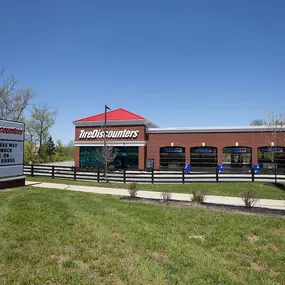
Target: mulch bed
<point>188,204</point>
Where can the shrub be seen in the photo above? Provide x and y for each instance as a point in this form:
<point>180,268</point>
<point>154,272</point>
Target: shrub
<point>166,196</point>
<point>133,189</point>
<point>249,198</point>
<point>199,196</point>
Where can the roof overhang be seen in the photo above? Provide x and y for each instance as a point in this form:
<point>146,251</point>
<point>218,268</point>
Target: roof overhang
<point>245,129</point>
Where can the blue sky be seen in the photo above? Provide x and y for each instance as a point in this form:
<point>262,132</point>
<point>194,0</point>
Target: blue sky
<point>178,63</point>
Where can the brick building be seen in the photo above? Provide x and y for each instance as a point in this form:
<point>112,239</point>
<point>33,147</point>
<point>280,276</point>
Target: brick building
<point>140,144</point>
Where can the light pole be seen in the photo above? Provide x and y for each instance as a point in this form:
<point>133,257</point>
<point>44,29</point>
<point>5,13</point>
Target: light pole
<point>105,141</point>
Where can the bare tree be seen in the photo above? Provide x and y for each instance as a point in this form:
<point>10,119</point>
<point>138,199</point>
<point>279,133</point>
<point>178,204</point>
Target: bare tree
<point>275,135</point>
<point>107,154</point>
<point>42,119</point>
<point>257,122</point>
<point>13,103</point>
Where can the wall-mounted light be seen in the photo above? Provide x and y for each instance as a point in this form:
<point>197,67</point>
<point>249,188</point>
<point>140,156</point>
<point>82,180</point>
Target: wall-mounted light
<point>236,144</point>
<point>172,144</point>
<point>203,143</point>
<point>272,143</point>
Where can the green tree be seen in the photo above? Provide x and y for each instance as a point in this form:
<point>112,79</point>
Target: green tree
<point>42,119</point>
<point>70,150</point>
<point>60,151</point>
<point>30,153</point>
<point>50,147</point>
<point>43,152</point>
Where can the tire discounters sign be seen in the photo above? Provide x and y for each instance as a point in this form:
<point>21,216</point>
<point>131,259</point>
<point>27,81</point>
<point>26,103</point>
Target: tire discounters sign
<point>99,134</point>
<point>11,148</point>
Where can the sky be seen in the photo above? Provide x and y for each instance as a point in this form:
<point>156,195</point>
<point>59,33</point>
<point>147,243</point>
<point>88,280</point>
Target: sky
<point>178,63</point>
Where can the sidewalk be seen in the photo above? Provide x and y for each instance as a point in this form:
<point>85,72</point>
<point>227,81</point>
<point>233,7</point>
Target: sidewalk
<point>235,201</point>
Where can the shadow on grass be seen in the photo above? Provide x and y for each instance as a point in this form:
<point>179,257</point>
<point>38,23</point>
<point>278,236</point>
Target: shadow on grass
<point>280,186</point>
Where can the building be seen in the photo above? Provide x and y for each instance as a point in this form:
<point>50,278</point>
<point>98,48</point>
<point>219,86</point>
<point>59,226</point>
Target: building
<point>140,144</point>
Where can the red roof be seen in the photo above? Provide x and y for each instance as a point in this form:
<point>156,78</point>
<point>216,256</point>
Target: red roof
<point>114,115</point>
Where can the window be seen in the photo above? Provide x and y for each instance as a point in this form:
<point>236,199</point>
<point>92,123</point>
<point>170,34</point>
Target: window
<point>172,158</point>
<point>237,157</point>
<point>266,156</point>
<point>127,157</point>
<point>203,156</point>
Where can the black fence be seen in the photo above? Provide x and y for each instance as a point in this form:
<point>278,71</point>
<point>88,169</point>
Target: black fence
<point>144,176</point>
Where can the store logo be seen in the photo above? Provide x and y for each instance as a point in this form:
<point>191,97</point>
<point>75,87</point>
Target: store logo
<point>13,131</point>
<point>99,134</point>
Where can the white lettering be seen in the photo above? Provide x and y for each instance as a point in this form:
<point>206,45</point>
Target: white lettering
<point>135,134</point>
<point>109,134</point>
<point>120,133</point>
<point>81,134</point>
<point>99,134</point>
<point>94,134</point>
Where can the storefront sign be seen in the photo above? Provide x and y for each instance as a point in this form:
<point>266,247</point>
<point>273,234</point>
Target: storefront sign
<point>99,134</point>
<point>272,149</point>
<point>237,150</point>
<point>172,150</point>
<point>204,149</point>
<point>11,148</point>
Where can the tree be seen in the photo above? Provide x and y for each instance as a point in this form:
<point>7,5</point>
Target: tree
<point>70,150</point>
<point>106,156</point>
<point>257,122</point>
<point>13,103</point>
<point>30,153</point>
<point>150,124</point>
<point>43,152</point>
<point>275,135</point>
<point>50,146</point>
<point>42,119</point>
<point>59,150</point>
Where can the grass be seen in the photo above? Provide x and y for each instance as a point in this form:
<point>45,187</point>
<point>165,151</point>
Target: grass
<point>61,237</point>
<point>233,189</point>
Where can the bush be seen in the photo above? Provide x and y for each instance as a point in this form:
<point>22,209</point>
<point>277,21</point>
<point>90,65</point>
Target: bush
<point>133,189</point>
<point>166,196</point>
<point>199,196</point>
<point>249,198</point>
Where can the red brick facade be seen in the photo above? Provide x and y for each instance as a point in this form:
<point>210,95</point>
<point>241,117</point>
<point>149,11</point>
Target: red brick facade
<point>218,140</point>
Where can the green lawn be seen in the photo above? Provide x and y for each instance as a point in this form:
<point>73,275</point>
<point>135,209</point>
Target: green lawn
<point>221,189</point>
<point>61,237</point>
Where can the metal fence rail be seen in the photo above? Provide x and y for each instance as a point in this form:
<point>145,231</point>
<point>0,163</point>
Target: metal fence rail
<point>146,176</point>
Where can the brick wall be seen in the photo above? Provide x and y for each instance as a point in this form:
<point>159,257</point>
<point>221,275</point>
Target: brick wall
<point>219,140</point>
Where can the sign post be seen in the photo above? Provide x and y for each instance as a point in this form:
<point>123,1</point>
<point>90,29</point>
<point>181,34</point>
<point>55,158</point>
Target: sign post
<point>12,135</point>
<point>187,168</point>
<point>149,164</point>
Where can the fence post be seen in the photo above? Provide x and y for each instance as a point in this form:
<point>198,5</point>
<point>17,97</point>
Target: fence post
<point>52,172</point>
<point>124,175</point>
<point>98,175</point>
<point>32,170</point>
<point>152,176</point>
<point>183,176</point>
<point>217,174</point>
<point>252,174</point>
<point>74,173</point>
